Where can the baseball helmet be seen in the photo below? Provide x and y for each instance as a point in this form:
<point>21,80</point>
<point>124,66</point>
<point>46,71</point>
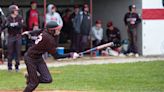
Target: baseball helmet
<point>51,25</point>
<point>13,8</point>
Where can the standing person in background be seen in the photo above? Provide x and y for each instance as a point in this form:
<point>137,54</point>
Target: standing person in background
<point>83,25</point>
<point>131,21</point>
<point>32,21</point>
<point>67,26</point>
<point>75,38</point>
<point>14,23</point>
<point>52,15</point>
<point>97,33</point>
<point>32,17</point>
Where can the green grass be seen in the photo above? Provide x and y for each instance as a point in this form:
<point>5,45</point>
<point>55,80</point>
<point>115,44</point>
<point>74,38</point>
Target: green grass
<point>129,77</point>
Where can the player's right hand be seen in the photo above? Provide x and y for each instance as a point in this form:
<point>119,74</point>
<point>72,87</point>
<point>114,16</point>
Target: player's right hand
<point>27,33</point>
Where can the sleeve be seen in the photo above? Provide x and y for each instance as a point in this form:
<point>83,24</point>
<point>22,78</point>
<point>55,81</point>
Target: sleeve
<point>35,32</point>
<point>101,37</point>
<point>76,23</point>
<point>138,19</point>
<point>58,56</point>
<point>21,22</point>
<point>93,33</point>
<point>125,20</point>
<point>98,36</point>
<point>118,34</point>
<point>107,34</point>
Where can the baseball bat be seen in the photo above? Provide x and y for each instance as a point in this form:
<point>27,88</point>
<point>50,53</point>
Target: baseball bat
<point>97,48</point>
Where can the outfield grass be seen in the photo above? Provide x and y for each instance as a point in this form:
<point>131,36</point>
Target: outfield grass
<point>131,77</point>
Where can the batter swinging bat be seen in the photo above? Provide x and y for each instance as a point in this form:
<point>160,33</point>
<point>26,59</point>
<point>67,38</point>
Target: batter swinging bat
<point>97,48</point>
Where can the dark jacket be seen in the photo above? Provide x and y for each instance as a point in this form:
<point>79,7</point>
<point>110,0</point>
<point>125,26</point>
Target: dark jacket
<point>114,36</point>
<point>85,27</point>
<point>131,20</point>
<point>14,25</point>
<point>82,24</point>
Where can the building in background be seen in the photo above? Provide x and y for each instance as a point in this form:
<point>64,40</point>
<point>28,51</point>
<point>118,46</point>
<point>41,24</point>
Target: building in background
<point>150,31</point>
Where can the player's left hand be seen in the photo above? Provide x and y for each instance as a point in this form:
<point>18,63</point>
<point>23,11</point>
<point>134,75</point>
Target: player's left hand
<point>25,33</point>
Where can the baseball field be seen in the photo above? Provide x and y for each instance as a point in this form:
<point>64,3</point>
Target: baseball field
<point>124,77</point>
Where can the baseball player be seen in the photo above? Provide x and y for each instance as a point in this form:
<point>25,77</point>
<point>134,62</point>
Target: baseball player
<point>131,21</point>
<point>14,23</point>
<point>36,67</point>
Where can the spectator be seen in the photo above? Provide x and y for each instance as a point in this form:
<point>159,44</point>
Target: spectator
<point>32,17</point>
<point>53,16</point>
<point>97,33</point>
<point>113,35</point>
<point>14,24</point>
<point>75,32</point>
<point>132,20</point>
<point>83,25</point>
<point>67,26</point>
<point>32,21</point>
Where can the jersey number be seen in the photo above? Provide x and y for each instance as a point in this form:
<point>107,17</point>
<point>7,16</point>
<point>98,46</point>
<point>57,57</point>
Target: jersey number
<point>39,39</point>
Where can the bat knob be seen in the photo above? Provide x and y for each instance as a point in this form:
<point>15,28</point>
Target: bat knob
<point>81,55</point>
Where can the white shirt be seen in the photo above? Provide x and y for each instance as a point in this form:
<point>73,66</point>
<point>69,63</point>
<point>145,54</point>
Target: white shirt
<point>97,34</point>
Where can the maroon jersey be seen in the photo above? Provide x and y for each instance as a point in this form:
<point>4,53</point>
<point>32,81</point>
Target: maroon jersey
<point>131,19</point>
<point>14,25</point>
<point>44,43</point>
